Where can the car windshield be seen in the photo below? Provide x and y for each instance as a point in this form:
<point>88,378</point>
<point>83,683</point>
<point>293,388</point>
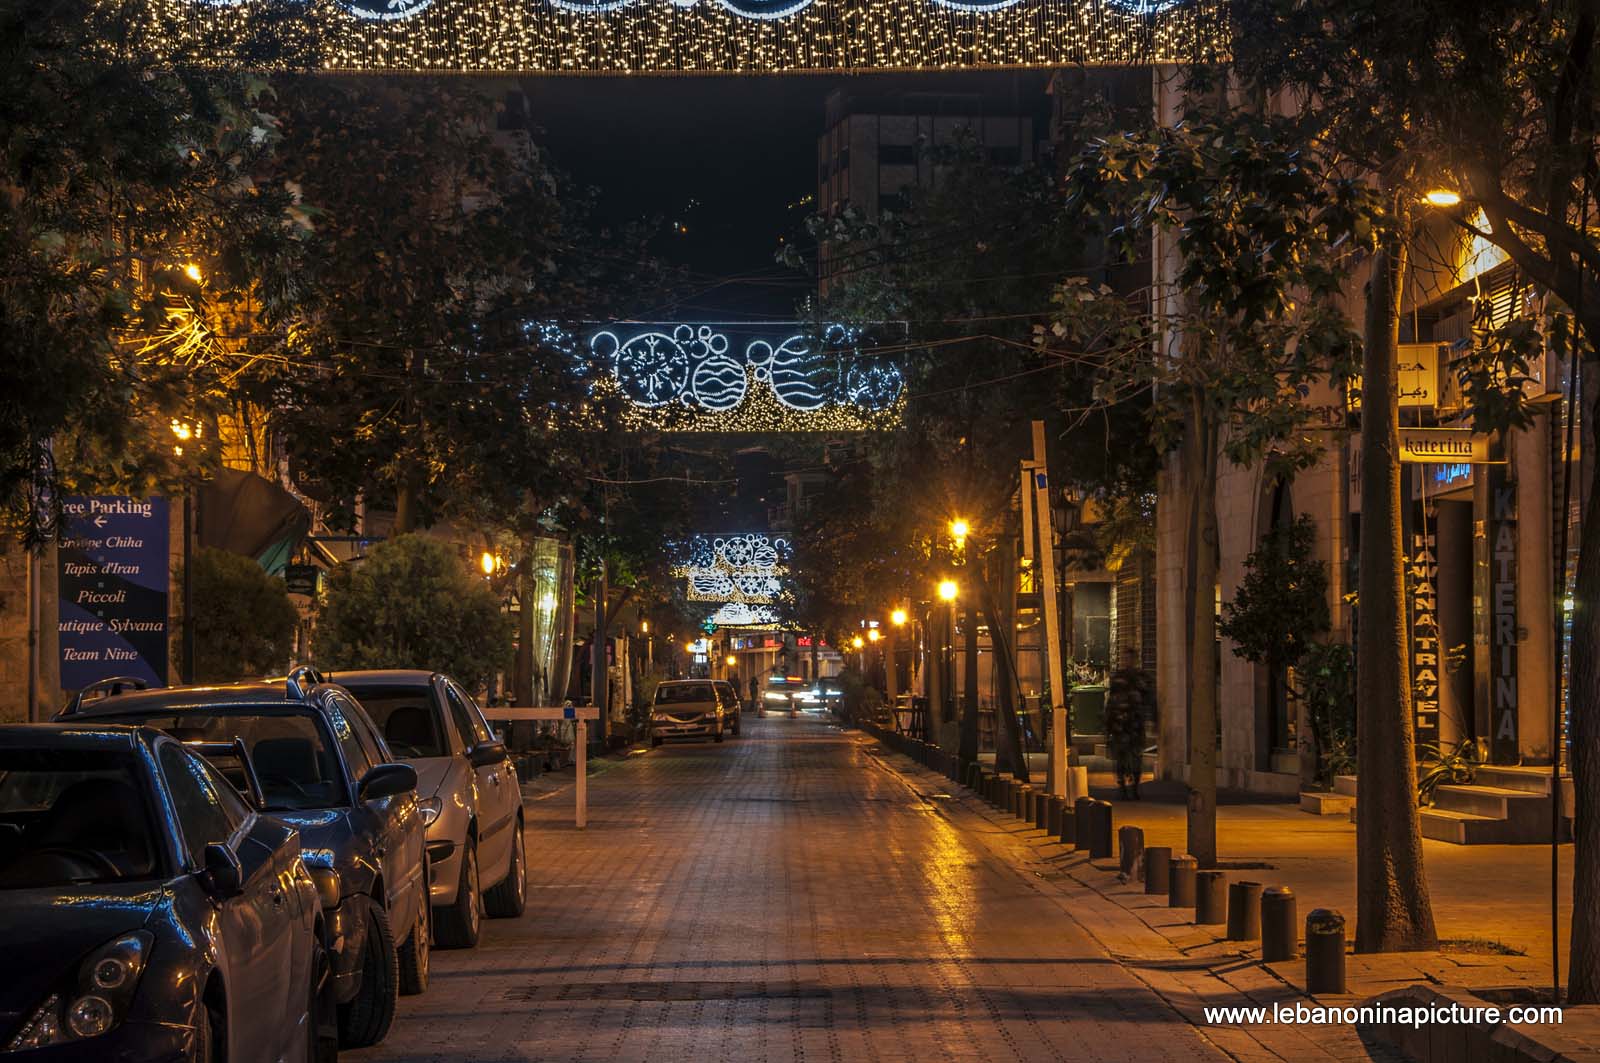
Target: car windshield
<point>406,717</point>
<point>291,752</point>
<point>70,817</point>
<point>684,693</point>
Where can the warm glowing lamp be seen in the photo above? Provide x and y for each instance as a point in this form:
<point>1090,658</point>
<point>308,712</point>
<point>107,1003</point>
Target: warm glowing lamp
<point>898,618</point>
<point>192,271</point>
<point>959,529</point>
<point>948,590</point>
<point>873,635</point>
<point>856,642</point>
<point>487,563</point>
<point>1443,197</point>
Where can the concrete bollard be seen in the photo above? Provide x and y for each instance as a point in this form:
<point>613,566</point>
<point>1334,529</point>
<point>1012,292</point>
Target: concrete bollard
<point>1082,829</point>
<point>1244,911</point>
<point>1180,887</point>
<point>1069,823</point>
<point>1130,851</point>
<point>1100,841</point>
<point>1210,898</point>
<point>1041,811</point>
<point>1055,815</point>
<point>1278,925</point>
<point>1026,803</point>
<point>1324,951</point>
<point>1157,868</point>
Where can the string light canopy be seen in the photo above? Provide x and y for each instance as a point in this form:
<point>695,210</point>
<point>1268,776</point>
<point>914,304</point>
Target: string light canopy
<point>738,377</point>
<point>726,36</point>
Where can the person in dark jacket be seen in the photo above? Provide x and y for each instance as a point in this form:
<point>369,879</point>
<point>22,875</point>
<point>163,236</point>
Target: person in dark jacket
<point>1129,702</point>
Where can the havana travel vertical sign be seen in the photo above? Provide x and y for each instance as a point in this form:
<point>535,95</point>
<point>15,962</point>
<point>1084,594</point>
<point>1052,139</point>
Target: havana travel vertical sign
<point>1427,659</point>
<point>114,574</point>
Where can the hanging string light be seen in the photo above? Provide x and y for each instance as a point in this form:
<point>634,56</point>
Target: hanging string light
<point>728,36</point>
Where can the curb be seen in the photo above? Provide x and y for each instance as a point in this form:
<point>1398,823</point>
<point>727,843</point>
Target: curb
<point>1482,1042</point>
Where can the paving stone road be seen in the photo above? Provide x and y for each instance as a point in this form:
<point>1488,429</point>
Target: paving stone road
<point>779,897</point>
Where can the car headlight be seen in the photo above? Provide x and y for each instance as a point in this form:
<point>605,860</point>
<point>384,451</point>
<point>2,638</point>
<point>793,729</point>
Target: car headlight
<point>773,695</point>
<point>431,808</point>
<point>98,1000</point>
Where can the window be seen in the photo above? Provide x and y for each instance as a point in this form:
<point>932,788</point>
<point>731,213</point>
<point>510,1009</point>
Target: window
<point>472,727</point>
<point>357,757</point>
<point>58,803</point>
<point>197,803</point>
<point>406,717</point>
<point>233,804</point>
<point>684,693</point>
<point>897,154</point>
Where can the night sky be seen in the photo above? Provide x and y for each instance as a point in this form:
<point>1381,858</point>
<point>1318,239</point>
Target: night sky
<point>732,160</point>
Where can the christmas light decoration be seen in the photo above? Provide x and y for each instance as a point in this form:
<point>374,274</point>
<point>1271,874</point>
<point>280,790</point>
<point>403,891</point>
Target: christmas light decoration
<point>723,36</point>
<point>733,614</point>
<point>740,569</point>
<point>748,378</point>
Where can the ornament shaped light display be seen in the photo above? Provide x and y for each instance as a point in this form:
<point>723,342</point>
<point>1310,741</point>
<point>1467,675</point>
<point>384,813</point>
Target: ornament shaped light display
<point>749,378</point>
<point>723,36</point>
<point>743,569</point>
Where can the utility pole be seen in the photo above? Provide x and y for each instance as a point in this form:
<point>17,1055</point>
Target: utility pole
<point>597,663</point>
<point>1045,573</point>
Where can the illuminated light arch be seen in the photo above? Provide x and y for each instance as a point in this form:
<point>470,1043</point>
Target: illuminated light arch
<point>745,568</point>
<point>736,615</point>
<point>746,377</point>
<point>724,36</point>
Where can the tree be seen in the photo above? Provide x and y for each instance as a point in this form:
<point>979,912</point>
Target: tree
<point>1280,608</point>
<point>244,622</point>
<point>431,365</point>
<point>413,602</point>
<point>129,224</point>
<point>1498,102</point>
<point>968,267</point>
<point>1263,234</point>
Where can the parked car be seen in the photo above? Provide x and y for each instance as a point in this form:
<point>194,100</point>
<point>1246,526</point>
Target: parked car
<point>471,798</point>
<point>324,770</point>
<point>732,707</point>
<point>686,708</point>
<point>148,911</point>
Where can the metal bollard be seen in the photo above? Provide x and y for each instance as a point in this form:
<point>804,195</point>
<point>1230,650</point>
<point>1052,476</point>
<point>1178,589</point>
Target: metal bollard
<point>1130,850</point>
<point>1210,898</point>
<point>1025,802</point>
<point>1100,842</point>
<point>1180,887</point>
<point>1324,951</point>
<point>1041,811</point>
<point>1157,868</point>
<point>1068,831</point>
<point>1244,911</point>
<point>1055,815</point>
<point>1082,829</point>
<point>1278,925</point>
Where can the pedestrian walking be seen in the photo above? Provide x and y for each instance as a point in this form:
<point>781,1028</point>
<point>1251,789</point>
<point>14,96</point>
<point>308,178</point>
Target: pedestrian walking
<point>1129,701</point>
<point>755,693</point>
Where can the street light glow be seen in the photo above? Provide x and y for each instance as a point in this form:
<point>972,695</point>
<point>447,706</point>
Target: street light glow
<point>192,271</point>
<point>948,590</point>
<point>857,643</point>
<point>959,529</point>
<point>1443,197</point>
<point>487,563</point>
<point>730,660</point>
<point>873,635</point>
<point>644,626</point>
<point>898,618</point>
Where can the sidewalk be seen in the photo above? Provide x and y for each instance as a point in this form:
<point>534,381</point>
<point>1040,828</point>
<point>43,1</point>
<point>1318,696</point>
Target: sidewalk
<point>1498,894</point>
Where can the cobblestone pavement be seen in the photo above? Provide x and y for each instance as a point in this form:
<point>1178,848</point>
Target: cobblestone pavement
<point>779,897</point>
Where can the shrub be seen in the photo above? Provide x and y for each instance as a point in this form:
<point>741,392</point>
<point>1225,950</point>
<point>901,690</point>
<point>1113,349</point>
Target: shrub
<point>244,622</point>
<point>413,603</point>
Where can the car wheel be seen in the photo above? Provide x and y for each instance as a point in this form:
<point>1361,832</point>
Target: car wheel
<point>207,1028</point>
<point>509,897</point>
<point>458,923</point>
<point>414,953</point>
<point>366,1019</point>
<point>322,1011</point>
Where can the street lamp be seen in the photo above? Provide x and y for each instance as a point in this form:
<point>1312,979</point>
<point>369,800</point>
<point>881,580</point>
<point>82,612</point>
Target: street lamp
<point>856,643</point>
<point>488,562</point>
<point>958,531</point>
<point>873,635</point>
<point>948,591</point>
<point>1442,197</point>
<point>192,271</point>
<point>898,618</point>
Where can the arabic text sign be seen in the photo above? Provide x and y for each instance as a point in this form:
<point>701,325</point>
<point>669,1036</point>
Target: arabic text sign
<point>114,575</point>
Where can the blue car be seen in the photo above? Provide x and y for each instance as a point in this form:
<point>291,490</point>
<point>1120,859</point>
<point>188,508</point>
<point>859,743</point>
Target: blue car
<point>322,768</point>
<point>147,910</point>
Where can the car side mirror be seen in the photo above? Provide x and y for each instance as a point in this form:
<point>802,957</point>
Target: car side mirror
<point>387,780</point>
<point>224,871</point>
<point>487,753</point>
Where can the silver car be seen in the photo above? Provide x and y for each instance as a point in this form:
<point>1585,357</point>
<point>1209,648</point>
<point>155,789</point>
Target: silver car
<point>687,708</point>
<point>471,799</point>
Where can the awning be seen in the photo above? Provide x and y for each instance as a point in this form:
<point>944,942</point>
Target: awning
<point>248,514</point>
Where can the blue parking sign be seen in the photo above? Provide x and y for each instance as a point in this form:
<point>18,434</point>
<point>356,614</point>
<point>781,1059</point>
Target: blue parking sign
<point>114,573</point>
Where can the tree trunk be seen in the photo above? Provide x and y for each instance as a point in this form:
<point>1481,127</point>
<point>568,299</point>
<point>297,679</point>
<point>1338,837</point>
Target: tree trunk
<point>1392,908</point>
<point>405,503</point>
<point>1200,445</point>
<point>1009,753</point>
<point>969,687</point>
<point>1583,737</point>
<point>522,674</point>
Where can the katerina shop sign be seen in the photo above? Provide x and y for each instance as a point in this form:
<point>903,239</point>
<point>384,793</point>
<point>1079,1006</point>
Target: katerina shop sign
<point>114,572</point>
<point>1447,446</point>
